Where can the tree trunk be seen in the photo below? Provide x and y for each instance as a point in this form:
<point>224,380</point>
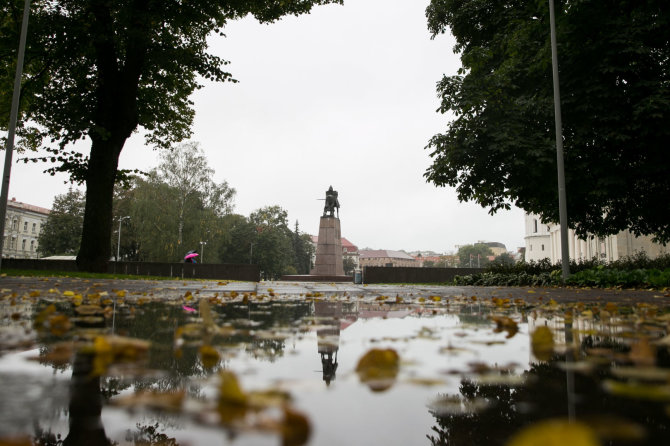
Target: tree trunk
<point>95,250</point>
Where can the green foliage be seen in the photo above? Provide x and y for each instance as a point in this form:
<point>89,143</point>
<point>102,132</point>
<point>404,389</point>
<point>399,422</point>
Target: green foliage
<point>502,279</point>
<point>303,250</point>
<point>349,265</point>
<point>637,271</point>
<point>474,255</point>
<point>499,147</point>
<point>265,239</point>
<point>61,234</point>
<point>504,259</point>
<point>175,208</point>
<point>99,69</point>
<point>617,278</point>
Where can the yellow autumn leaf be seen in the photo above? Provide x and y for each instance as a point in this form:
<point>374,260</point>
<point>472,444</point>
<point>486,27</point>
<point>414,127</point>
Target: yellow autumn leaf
<point>295,428</point>
<point>43,316</point>
<point>638,391</point>
<point>59,324</point>
<point>88,310</point>
<point>504,323</point>
<point>168,401</point>
<point>209,356</point>
<point>206,314</point>
<point>116,349</point>
<point>378,368</point>
<point>68,293</point>
<point>542,343</point>
<point>642,353</point>
<point>555,432</point>
<point>121,293</point>
<point>232,404</point>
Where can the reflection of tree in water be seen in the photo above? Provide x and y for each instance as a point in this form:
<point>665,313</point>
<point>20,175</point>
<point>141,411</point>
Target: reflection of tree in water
<point>157,322</point>
<point>545,395</point>
<point>255,318</point>
<point>464,424</point>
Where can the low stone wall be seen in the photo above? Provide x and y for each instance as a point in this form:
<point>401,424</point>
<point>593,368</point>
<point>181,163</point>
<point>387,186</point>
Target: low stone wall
<point>215,271</point>
<point>389,274</point>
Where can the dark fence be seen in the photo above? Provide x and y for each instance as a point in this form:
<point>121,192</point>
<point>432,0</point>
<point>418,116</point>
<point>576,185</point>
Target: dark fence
<point>215,271</point>
<point>390,274</point>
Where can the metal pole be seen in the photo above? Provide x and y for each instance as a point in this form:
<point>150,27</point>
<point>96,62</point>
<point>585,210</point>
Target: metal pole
<point>13,117</point>
<point>562,205</point>
<point>251,253</point>
<point>118,243</point>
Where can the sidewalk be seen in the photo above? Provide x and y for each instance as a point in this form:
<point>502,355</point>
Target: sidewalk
<point>175,289</point>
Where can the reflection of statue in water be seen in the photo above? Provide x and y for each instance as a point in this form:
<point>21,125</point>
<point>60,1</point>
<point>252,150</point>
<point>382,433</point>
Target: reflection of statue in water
<point>329,364</point>
<point>332,203</point>
<point>328,336</point>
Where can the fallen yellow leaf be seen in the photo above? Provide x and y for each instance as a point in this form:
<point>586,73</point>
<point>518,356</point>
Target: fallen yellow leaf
<point>555,433</point>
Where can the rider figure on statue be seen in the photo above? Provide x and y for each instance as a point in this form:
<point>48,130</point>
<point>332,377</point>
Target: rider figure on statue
<point>332,203</point>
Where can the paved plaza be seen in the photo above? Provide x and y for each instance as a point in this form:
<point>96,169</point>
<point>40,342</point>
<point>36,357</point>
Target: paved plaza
<point>175,289</point>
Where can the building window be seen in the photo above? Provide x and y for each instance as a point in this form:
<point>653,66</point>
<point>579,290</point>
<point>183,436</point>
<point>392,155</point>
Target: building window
<point>542,247</point>
<point>32,246</point>
<point>548,229</point>
<point>531,247</point>
<point>23,245</point>
<point>34,227</point>
<point>25,226</point>
<point>535,226</point>
<point>15,224</point>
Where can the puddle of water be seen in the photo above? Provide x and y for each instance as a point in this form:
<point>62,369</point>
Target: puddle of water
<point>97,370</point>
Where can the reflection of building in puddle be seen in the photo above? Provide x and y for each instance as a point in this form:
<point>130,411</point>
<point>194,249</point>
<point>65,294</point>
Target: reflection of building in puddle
<point>335,316</point>
<point>572,335</point>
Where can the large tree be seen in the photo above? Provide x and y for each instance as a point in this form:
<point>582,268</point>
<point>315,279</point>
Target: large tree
<point>499,147</point>
<point>186,170</point>
<point>99,69</point>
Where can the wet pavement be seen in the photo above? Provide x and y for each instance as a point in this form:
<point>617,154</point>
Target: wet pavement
<point>173,289</point>
<point>194,362</point>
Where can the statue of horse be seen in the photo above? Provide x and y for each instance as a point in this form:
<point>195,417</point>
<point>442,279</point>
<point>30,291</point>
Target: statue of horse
<point>332,204</point>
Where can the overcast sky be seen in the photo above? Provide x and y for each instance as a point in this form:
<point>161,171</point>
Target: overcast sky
<point>345,97</point>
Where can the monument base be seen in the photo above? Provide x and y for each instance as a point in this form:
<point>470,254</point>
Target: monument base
<point>329,249</point>
<point>316,278</point>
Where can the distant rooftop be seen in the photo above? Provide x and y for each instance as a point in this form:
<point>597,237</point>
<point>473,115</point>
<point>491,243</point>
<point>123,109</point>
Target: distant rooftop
<point>346,244</point>
<point>384,253</point>
<point>27,207</point>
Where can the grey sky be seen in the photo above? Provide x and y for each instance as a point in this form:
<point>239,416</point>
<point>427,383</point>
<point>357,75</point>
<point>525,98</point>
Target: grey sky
<point>345,97</point>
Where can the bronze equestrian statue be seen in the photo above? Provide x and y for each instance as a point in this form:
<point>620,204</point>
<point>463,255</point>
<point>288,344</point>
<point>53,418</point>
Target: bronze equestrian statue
<point>332,203</point>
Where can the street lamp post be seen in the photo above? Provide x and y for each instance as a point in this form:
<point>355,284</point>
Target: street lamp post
<point>202,252</point>
<point>118,243</point>
<point>13,117</point>
<point>562,204</point>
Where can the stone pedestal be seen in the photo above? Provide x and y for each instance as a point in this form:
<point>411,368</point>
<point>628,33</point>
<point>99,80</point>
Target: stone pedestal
<point>329,249</point>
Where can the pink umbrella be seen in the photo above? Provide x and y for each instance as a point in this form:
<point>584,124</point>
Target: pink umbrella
<point>190,256</point>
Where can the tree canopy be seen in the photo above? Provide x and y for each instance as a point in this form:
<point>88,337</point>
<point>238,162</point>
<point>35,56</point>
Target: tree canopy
<point>499,147</point>
<point>100,69</point>
<point>474,255</point>
<point>61,234</point>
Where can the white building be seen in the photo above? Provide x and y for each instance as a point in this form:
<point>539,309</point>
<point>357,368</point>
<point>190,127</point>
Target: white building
<point>23,223</point>
<point>544,241</point>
